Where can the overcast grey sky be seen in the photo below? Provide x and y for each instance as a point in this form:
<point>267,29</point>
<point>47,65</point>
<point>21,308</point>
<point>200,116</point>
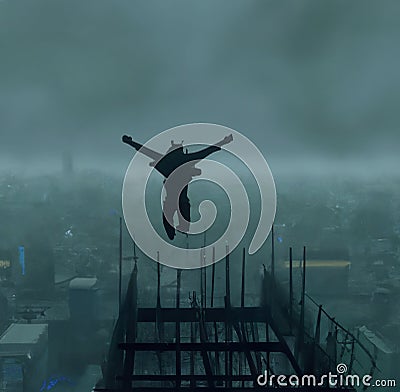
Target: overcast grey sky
<point>305,80</point>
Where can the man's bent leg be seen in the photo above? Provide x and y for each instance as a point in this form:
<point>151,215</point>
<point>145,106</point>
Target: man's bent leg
<point>168,219</point>
<point>184,211</point>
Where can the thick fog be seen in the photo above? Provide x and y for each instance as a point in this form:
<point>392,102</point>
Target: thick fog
<point>314,84</point>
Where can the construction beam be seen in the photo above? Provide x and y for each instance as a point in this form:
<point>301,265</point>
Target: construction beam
<point>237,314</point>
<point>188,377</point>
<point>207,346</point>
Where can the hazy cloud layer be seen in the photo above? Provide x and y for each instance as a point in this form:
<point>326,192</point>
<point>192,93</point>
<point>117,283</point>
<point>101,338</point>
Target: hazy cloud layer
<point>303,79</point>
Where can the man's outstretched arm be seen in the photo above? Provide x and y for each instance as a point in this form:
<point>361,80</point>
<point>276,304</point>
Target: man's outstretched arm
<point>225,140</point>
<point>197,156</point>
<point>139,147</point>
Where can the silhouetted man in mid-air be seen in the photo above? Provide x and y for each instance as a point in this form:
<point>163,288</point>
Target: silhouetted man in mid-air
<point>178,168</point>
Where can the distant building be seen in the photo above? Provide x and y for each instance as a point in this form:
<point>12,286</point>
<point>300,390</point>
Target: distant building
<point>326,277</point>
<point>83,299</point>
<point>23,357</point>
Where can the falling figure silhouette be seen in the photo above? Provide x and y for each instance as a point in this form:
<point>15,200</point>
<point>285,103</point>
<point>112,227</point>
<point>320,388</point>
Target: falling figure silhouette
<point>178,168</point>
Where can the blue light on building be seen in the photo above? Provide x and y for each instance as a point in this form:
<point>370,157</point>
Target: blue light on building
<point>21,252</point>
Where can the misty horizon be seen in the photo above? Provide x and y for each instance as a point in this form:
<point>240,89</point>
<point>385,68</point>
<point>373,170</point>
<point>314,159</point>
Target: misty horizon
<point>317,91</point>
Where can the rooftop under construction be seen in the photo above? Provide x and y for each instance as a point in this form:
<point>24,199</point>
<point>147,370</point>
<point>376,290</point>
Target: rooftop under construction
<point>207,342</point>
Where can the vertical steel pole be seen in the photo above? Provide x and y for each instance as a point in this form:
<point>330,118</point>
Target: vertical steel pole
<point>228,326</point>
<point>178,331</point>
<point>272,255</point>
<point>243,277</point>
<point>120,266</point>
<point>291,287</point>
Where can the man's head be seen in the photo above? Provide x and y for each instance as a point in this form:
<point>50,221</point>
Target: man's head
<point>178,147</point>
